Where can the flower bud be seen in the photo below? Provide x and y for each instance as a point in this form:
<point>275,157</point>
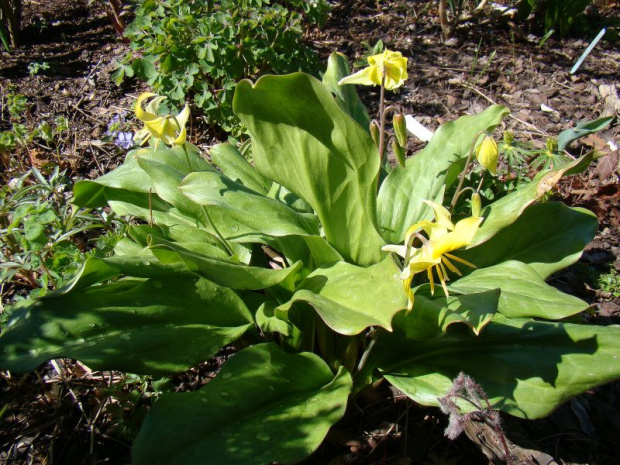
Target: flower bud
<point>400,129</point>
<point>399,152</point>
<point>487,154</point>
<point>374,132</point>
<point>476,204</point>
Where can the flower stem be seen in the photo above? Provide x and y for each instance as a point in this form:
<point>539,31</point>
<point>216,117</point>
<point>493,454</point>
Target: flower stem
<point>364,358</point>
<point>382,118</point>
<point>189,164</point>
<point>457,193</point>
<point>218,235</point>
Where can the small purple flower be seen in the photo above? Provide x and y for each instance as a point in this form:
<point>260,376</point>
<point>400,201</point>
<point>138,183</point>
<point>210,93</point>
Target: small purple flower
<point>124,140</point>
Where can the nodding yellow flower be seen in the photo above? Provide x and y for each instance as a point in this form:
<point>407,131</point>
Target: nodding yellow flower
<point>388,69</point>
<point>442,237</point>
<point>487,154</point>
<point>167,128</point>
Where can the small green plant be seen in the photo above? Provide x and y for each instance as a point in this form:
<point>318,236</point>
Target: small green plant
<point>554,14</point>
<point>15,104</point>
<point>610,282</point>
<point>35,68</point>
<point>201,49</point>
<point>327,268</point>
<point>40,245</point>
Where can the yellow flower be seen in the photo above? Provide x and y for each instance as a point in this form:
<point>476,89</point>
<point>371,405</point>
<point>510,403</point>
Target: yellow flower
<point>167,128</point>
<point>391,66</point>
<point>442,237</point>
<point>487,154</point>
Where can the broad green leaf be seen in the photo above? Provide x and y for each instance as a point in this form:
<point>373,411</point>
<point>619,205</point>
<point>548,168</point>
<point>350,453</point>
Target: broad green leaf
<point>548,237</point>
<point>248,207</point>
<point>305,142</point>
<point>167,171</point>
<point>193,239</point>
<point>506,210</point>
<point>321,251</point>
<point>431,317</point>
<point>131,177</point>
<point>582,129</point>
<point>223,272</point>
<point>98,270</point>
<point>350,299</point>
<point>265,405</point>
<point>526,368</point>
<point>523,292</point>
<point>268,322</point>
<point>237,168</point>
<point>165,179</point>
<point>157,326</point>
<point>346,95</point>
<point>400,202</point>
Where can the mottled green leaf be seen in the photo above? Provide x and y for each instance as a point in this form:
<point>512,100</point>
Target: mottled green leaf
<point>346,95</point>
<point>262,214</point>
<point>223,272</point>
<point>157,326</point>
<point>265,405</point>
<point>305,142</point>
<point>400,203</point>
<point>432,316</point>
<point>548,237</point>
<point>523,292</point>
<point>349,298</point>
<point>526,368</point>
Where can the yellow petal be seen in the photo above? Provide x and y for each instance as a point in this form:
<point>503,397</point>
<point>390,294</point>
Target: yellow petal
<point>183,117</point>
<point>430,228</point>
<point>442,215</point>
<point>397,249</point>
<point>393,65</point>
<point>422,259</point>
<point>369,76</point>
<point>182,137</point>
<point>141,114</point>
<point>462,236</point>
<point>157,126</point>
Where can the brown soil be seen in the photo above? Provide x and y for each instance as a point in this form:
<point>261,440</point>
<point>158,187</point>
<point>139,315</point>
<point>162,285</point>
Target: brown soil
<point>63,414</point>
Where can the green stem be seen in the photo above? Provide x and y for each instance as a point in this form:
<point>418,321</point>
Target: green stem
<point>189,164</point>
<point>382,122</point>
<point>218,235</point>
<point>457,193</point>
<point>364,358</point>
<point>325,342</point>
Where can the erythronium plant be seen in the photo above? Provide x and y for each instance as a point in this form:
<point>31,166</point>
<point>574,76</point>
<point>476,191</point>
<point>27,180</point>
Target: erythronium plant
<point>289,260</point>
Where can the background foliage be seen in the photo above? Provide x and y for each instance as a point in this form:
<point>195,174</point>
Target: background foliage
<point>201,49</point>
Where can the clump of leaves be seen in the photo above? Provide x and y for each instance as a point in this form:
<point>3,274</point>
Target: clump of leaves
<point>200,49</point>
<point>39,246</point>
<point>554,14</point>
<point>288,259</point>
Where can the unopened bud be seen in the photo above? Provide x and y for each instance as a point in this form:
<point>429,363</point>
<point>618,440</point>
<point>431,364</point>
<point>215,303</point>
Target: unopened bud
<point>487,154</point>
<point>399,152</point>
<point>400,129</point>
<point>374,132</point>
<point>476,204</point>
<point>509,137</point>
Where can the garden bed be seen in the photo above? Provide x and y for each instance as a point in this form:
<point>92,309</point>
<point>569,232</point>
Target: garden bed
<point>64,413</point>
